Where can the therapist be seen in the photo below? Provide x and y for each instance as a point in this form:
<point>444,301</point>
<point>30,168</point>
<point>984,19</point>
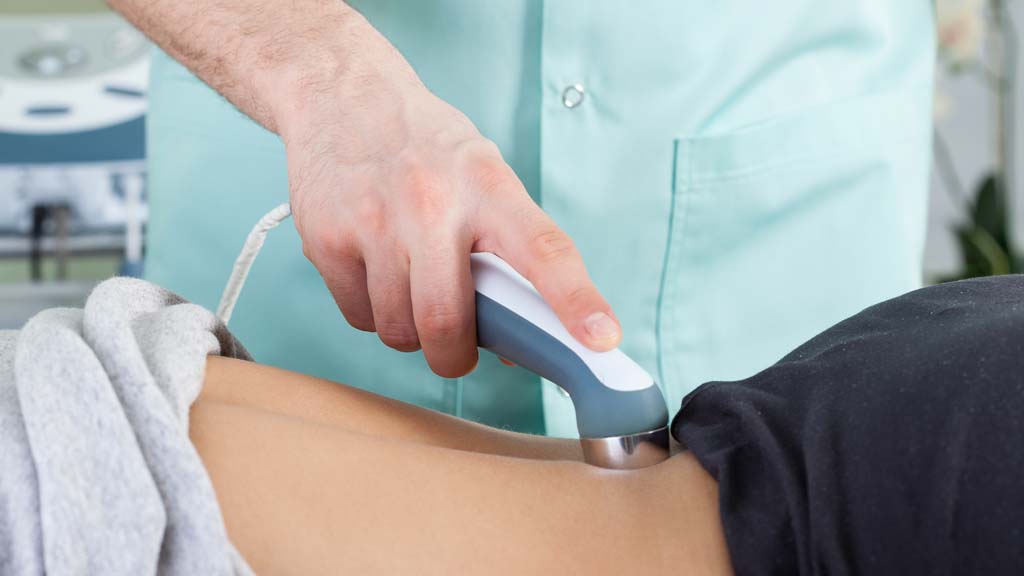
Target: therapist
<point>735,175</point>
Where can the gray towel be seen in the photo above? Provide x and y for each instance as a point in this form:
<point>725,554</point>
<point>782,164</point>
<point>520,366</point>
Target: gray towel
<point>97,473</point>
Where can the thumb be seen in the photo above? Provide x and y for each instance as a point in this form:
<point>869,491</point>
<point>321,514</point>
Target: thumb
<point>539,250</point>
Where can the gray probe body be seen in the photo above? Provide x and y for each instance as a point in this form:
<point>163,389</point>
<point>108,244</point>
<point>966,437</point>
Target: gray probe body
<point>620,410</point>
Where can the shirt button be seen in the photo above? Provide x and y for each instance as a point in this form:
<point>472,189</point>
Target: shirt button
<point>572,96</point>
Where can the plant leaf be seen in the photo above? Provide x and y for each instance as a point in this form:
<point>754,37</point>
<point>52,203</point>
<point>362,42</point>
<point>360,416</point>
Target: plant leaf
<point>983,255</point>
<point>990,209</point>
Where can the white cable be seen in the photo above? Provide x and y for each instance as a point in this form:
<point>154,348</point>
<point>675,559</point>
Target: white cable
<point>243,263</point>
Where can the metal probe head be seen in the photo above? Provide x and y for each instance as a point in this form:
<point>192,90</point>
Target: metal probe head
<point>621,413</point>
<point>627,452</point>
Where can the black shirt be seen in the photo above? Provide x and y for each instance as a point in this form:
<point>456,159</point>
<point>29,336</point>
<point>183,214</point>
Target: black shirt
<point>892,443</point>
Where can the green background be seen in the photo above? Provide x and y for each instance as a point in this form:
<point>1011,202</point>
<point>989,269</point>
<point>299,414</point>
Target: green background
<point>52,6</point>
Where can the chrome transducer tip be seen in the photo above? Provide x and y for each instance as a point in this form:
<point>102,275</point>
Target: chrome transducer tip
<point>627,452</point>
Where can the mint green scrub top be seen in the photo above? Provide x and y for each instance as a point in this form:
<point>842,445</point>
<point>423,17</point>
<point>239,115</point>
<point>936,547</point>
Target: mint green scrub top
<point>737,175</point>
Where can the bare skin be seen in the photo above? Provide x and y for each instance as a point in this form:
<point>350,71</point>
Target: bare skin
<point>315,477</point>
<point>391,187</point>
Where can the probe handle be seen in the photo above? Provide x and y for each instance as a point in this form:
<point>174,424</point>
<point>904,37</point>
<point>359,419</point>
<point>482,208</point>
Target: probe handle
<point>612,394</point>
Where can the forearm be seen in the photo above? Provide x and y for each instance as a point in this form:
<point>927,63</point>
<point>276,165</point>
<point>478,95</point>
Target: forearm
<point>269,58</point>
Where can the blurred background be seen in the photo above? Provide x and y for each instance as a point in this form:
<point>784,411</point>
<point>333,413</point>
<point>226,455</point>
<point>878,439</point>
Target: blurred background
<point>72,149</point>
<point>72,152</point>
<point>976,210</point>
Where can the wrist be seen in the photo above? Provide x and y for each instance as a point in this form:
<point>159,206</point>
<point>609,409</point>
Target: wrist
<point>347,65</point>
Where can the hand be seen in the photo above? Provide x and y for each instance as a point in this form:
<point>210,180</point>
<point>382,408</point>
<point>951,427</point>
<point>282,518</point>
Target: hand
<point>392,189</point>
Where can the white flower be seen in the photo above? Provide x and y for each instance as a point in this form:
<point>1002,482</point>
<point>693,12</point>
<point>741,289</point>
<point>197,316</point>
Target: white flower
<point>960,29</point>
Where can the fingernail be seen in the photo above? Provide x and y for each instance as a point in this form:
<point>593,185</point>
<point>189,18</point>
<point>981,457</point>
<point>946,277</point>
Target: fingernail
<point>601,328</point>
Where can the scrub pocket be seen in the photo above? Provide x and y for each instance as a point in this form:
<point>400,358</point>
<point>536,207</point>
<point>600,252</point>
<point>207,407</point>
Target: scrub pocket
<point>780,229</point>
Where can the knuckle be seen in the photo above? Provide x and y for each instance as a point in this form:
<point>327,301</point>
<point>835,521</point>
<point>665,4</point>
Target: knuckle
<point>426,191</point>
<point>326,241</point>
<point>491,174</point>
<point>580,297</point>
<point>398,335</point>
<point>370,212</point>
<point>442,323</point>
<point>551,245</point>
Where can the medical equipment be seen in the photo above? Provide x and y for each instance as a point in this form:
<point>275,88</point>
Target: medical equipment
<point>73,79</point>
<point>620,411</point>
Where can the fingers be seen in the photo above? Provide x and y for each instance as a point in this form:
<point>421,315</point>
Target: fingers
<point>345,276</point>
<point>429,302</point>
<point>387,281</point>
<point>425,298</point>
<point>443,304</point>
<point>411,224</point>
<point>535,246</point>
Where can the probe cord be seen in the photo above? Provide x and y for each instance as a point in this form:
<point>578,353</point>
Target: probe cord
<point>247,256</point>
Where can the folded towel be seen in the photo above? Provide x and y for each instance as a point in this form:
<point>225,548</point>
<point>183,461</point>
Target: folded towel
<point>97,473</point>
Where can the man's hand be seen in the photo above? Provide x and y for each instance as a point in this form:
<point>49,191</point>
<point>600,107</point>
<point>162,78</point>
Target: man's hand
<point>391,188</point>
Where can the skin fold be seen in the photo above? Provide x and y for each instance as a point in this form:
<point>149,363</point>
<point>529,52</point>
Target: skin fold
<point>315,477</point>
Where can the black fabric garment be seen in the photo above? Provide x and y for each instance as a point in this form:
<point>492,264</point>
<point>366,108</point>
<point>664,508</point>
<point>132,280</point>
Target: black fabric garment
<point>892,443</point>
